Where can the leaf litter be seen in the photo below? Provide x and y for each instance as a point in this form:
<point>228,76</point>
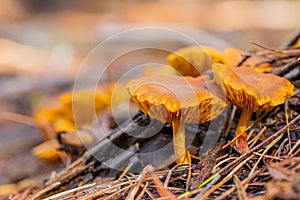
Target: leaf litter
<point>269,170</point>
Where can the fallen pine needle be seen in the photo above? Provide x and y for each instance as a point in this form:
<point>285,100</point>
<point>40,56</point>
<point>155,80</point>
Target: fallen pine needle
<point>143,191</point>
<point>38,194</point>
<point>209,181</point>
<point>166,183</point>
<point>19,118</point>
<point>70,191</point>
<point>260,145</point>
<point>241,191</point>
<point>224,180</point>
<point>125,171</point>
<point>264,153</point>
<point>233,188</point>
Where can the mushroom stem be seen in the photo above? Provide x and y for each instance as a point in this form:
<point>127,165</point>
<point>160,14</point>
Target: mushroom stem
<point>241,141</point>
<point>179,141</point>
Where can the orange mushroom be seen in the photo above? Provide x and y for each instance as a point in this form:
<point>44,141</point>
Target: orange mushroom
<point>52,119</point>
<point>71,111</point>
<point>48,151</point>
<point>233,56</point>
<point>252,92</point>
<point>177,100</point>
<point>194,60</point>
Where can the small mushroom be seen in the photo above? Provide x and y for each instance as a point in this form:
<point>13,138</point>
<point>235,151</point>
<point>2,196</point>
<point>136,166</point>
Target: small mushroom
<point>48,151</point>
<point>252,92</point>
<point>51,119</point>
<point>177,100</point>
<point>233,57</point>
<point>194,60</point>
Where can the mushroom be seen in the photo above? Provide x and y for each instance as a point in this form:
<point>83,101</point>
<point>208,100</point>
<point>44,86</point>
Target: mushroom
<point>51,119</point>
<point>252,92</point>
<point>48,151</point>
<point>194,60</point>
<point>81,106</point>
<point>178,100</point>
<point>233,57</point>
<point>70,107</point>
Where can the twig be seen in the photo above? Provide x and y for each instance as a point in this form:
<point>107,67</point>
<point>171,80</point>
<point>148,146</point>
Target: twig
<point>245,58</point>
<point>296,153</point>
<point>138,183</point>
<point>150,194</point>
<point>254,140</point>
<point>247,128</point>
<point>101,192</point>
<point>206,165</point>
<point>108,148</point>
<point>22,195</point>
<point>241,191</point>
<point>268,156</point>
<point>125,171</point>
<point>264,47</point>
<point>118,192</point>
<point>195,157</point>
<point>41,192</point>
<point>19,118</point>
<point>288,67</point>
<point>294,148</point>
<point>233,188</point>
<point>264,152</point>
<point>270,138</point>
<point>209,185</point>
<point>221,162</point>
<point>249,135</point>
<point>280,147</point>
<point>143,191</point>
<point>225,179</point>
<point>134,190</point>
<point>170,174</point>
<point>230,120</point>
<point>293,39</point>
<point>70,191</point>
<point>208,182</point>
<point>283,52</point>
<point>287,121</point>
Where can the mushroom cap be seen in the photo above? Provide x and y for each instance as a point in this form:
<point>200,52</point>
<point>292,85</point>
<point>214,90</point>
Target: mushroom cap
<point>167,98</point>
<point>194,60</point>
<point>233,57</point>
<point>251,90</point>
<point>48,150</point>
<point>81,106</point>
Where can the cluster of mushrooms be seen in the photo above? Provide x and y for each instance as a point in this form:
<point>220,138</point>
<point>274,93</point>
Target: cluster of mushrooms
<point>195,97</point>
<point>69,112</point>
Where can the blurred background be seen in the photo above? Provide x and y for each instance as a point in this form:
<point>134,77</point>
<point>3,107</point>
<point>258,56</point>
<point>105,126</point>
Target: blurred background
<point>43,43</point>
